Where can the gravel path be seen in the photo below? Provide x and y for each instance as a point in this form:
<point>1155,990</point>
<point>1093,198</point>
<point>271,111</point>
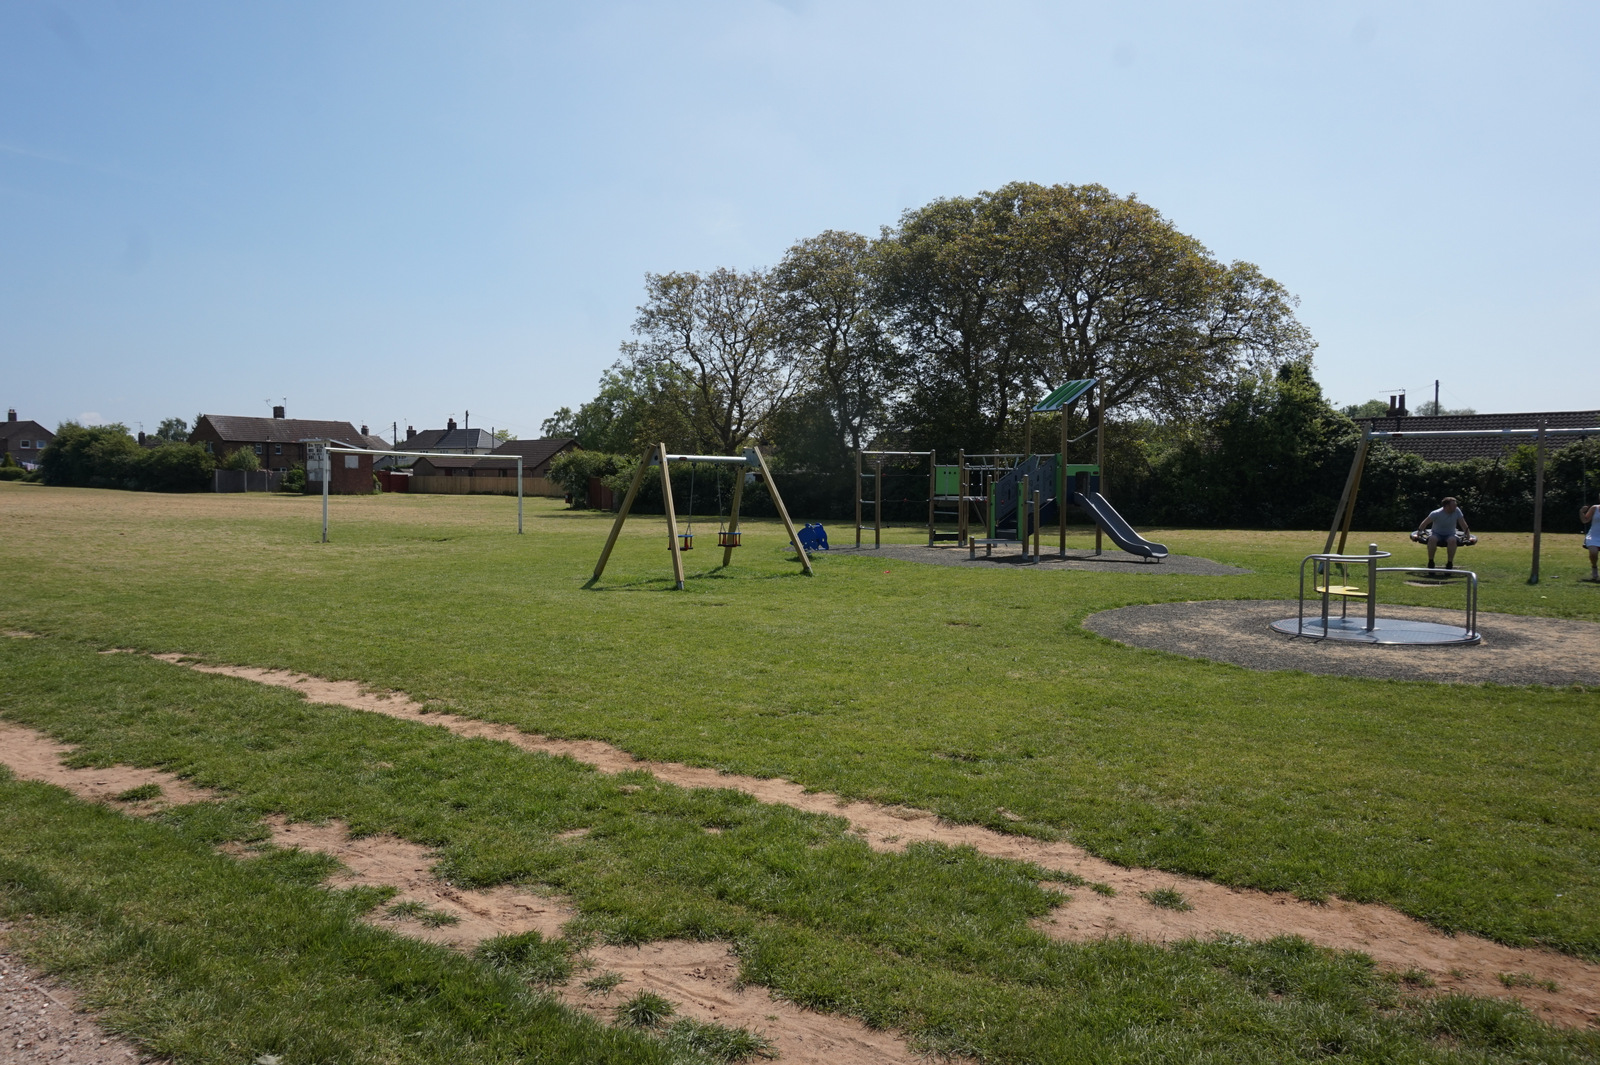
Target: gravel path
<point>1515,650</point>
<point>1009,556</point>
<point>39,1022</point>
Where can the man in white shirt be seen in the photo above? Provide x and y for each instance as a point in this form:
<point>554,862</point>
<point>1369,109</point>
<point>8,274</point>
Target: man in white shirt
<point>1447,525</point>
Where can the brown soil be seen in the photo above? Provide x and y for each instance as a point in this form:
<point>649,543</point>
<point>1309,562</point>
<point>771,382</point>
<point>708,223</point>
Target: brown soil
<point>702,980</point>
<point>40,1021</point>
<point>1396,942</point>
<point>1515,650</point>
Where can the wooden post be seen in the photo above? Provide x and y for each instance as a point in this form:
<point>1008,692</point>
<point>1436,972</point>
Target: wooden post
<point>1061,484</point>
<point>1538,501</point>
<point>858,499</point>
<point>1347,497</point>
<point>933,490</point>
<point>622,516</point>
<point>1350,511</point>
<point>783,512</point>
<point>672,520</point>
<point>877,504</point>
<point>961,488</point>
<point>733,515</point>
<point>1100,451</point>
<point>1037,506</point>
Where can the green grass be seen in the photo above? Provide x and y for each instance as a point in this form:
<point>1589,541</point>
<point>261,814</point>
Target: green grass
<point>1473,808</point>
<point>1168,899</point>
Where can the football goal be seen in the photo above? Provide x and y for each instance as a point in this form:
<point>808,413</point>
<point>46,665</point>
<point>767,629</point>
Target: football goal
<point>319,465</point>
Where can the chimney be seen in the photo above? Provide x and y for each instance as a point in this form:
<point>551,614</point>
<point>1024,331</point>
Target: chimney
<point>277,412</point>
<point>11,415</point>
<point>450,425</point>
<point>410,432</point>
<point>1403,411</point>
<point>363,430</point>
<point>1391,406</point>
<point>141,436</point>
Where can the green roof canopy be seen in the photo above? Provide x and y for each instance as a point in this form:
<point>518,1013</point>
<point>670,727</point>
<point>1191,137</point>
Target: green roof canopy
<point>1062,397</point>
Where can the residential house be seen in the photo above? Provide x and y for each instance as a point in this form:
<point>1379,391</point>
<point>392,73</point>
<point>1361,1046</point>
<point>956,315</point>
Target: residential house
<point>449,441</point>
<point>23,439</point>
<point>474,474</point>
<point>280,442</point>
<point>1460,448</point>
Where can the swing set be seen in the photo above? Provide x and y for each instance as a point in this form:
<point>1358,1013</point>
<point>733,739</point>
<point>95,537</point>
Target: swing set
<point>729,535</point>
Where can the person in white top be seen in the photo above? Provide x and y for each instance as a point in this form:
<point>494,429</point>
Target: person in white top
<point>1590,516</point>
<point>1447,526</point>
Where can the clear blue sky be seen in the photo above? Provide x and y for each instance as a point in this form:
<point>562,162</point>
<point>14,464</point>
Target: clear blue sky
<point>395,212</point>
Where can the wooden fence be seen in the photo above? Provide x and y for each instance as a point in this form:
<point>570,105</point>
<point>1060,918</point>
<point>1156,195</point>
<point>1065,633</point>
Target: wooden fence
<point>499,486</point>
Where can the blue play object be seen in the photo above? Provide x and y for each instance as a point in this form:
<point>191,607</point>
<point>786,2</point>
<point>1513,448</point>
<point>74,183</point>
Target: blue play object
<point>813,537</point>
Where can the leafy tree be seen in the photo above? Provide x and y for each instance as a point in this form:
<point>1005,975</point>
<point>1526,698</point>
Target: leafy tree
<point>1372,408</point>
<point>627,417</point>
<point>175,429</point>
<point>88,456</point>
<point>1432,408</point>
<point>501,436</point>
<point>708,351</point>
<point>175,466</point>
<point>825,289</point>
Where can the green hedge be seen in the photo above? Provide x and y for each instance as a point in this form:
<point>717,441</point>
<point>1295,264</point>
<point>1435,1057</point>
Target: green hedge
<point>106,456</point>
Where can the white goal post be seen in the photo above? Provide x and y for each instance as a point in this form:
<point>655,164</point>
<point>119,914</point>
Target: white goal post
<point>321,450</point>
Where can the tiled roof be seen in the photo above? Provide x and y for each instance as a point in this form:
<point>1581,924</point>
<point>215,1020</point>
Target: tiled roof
<point>1459,448</point>
<point>234,429</point>
<point>376,443</point>
<point>451,440</point>
<point>535,453</point>
<point>452,462</point>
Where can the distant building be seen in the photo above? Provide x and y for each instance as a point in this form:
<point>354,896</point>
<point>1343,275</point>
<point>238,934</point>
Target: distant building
<point>474,474</point>
<point>1460,448</point>
<point>280,442</point>
<point>24,439</point>
<point>449,441</point>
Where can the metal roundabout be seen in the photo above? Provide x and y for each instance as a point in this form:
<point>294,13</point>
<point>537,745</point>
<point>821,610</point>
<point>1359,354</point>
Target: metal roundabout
<point>1372,629</point>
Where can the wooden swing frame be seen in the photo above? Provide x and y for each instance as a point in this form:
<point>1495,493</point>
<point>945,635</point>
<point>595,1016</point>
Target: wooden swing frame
<point>659,456</point>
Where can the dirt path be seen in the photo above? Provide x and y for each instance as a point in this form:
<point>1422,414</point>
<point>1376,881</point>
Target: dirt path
<point>700,979</point>
<point>1464,963</point>
<point>40,1021</point>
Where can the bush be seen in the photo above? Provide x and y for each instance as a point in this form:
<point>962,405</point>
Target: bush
<point>295,480</point>
<point>175,467</point>
<point>105,456</point>
<point>243,458</point>
<point>12,473</point>
<point>572,470</point>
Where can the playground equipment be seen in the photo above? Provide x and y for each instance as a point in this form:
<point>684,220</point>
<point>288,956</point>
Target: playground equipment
<point>1009,495</point>
<point>1340,529</point>
<point>1372,629</point>
<point>727,538</point>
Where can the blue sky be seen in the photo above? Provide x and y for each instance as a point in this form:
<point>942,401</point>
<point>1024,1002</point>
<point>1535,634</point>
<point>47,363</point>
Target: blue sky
<point>395,212</point>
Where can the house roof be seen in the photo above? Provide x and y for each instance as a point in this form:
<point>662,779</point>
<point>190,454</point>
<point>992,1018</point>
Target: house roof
<point>29,429</point>
<point>451,440</point>
<point>234,429</point>
<point>376,443</point>
<point>535,453</point>
<point>1459,448</point>
<point>451,462</point>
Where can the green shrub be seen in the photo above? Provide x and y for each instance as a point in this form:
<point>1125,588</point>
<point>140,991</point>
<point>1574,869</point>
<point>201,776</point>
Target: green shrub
<point>173,468</point>
<point>572,470</point>
<point>295,480</point>
<point>243,458</point>
<point>9,463</point>
<point>89,456</point>
<point>12,473</point>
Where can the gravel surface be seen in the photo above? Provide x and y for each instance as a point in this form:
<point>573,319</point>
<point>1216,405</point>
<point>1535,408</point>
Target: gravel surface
<point>39,1022</point>
<point>1010,556</point>
<point>1515,650</point>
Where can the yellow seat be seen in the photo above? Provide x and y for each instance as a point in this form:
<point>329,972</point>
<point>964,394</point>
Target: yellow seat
<point>1346,590</point>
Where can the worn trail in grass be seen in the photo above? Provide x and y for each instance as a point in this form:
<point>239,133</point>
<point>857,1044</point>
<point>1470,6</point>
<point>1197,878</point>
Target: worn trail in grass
<point>932,940</point>
<point>1401,944</point>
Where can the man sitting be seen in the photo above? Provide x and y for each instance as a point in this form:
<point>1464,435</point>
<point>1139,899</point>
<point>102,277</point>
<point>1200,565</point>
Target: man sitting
<point>1447,526</point>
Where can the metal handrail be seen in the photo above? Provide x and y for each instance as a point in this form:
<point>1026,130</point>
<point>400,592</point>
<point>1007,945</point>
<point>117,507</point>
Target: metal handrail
<point>1472,588</point>
<point>1325,560</point>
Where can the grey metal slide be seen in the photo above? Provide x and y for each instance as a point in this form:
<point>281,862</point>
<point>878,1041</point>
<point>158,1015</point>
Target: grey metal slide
<point>1117,527</point>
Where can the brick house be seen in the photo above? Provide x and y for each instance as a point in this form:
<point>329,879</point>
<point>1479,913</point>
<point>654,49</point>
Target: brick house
<point>473,474</point>
<point>449,441</point>
<point>280,442</point>
<point>23,439</point>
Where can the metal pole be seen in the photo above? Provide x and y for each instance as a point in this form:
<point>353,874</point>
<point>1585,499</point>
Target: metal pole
<point>519,495</point>
<point>1022,515</point>
<point>961,489</point>
<point>1538,503</point>
<point>1061,484</point>
<point>1037,496</point>
<point>1372,587</point>
<point>1100,452</point>
<point>933,490</point>
<point>327,475</point>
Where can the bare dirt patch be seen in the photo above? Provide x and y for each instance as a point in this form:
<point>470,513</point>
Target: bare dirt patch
<point>702,979</point>
<point>1515,650</point>
<point>1396,942</point>
<point>40,1021</point>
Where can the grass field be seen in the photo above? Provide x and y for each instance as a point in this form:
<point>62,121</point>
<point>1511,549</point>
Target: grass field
<point>972,693</point>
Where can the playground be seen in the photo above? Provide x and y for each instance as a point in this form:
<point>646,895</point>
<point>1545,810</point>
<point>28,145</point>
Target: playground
<point>913,804</point>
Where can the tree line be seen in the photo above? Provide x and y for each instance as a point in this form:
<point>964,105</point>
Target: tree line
<point>940,332</point>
